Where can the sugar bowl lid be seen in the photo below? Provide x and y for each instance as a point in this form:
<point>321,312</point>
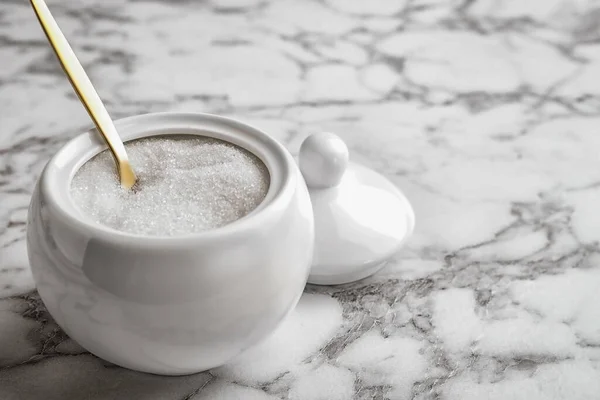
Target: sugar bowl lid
<point>361,218</point>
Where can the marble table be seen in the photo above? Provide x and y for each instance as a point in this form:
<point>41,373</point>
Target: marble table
<point>486,113</point>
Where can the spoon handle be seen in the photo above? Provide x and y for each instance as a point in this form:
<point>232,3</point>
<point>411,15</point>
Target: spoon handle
<point>85,90</point>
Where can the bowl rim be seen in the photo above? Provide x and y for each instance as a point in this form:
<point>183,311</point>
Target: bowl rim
<point>55,181</point>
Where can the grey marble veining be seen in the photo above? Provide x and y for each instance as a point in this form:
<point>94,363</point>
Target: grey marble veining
<point>485,113</point>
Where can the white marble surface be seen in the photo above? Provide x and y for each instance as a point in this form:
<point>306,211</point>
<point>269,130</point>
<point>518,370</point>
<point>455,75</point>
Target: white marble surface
<point>485,112</point>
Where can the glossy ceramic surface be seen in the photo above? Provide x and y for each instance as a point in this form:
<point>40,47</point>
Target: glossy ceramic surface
<point>171,305</point>
<point>361,218</point>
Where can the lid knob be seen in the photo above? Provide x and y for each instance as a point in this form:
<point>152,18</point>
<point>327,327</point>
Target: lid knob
<point>323,160</point>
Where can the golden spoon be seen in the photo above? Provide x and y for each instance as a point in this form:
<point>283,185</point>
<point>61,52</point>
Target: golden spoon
<point>86,92</point>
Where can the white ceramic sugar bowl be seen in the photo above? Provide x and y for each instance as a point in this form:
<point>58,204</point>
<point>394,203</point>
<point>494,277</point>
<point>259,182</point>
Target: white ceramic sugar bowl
<point>179,305</point>
<point>171,305</point>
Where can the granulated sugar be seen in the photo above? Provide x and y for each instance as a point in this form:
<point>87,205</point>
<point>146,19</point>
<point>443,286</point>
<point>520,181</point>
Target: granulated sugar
<point>186,184</point>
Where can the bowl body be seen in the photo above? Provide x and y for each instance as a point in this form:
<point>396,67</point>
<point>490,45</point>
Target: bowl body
<point>171,305</point>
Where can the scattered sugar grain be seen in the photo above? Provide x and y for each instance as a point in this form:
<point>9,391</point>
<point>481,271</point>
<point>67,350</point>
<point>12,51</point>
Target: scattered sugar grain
<point>186,184</point>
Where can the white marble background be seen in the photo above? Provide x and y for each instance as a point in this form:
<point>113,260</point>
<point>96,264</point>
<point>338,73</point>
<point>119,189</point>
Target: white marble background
<point>486,113</point>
